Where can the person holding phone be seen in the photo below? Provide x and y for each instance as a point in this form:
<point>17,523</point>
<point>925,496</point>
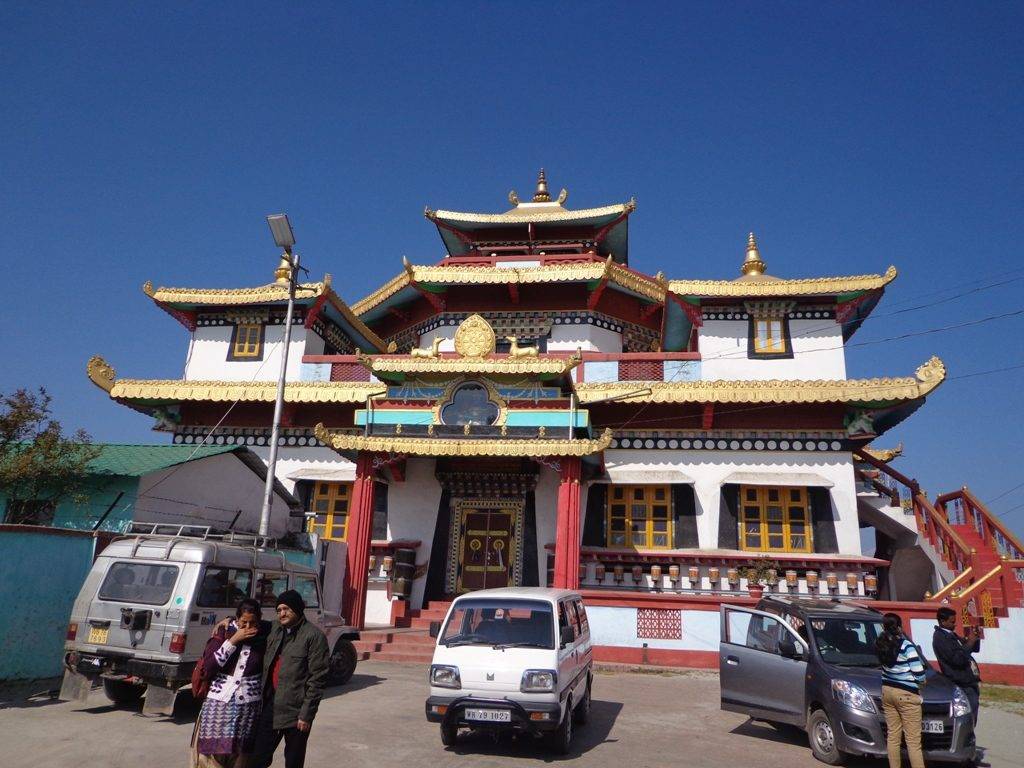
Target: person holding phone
<point>954,656</point>
<point>225,732</point>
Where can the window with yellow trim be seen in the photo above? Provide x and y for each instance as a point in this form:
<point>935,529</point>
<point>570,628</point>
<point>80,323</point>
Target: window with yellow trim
<point>247,341</point>
<point>775,519</point>
<point>640,516</point>
<point>769,336</point>
<point>329,505</point>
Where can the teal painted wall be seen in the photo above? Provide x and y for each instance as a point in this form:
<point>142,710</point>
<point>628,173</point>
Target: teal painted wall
<point>101,491</point>
<point>42,573</point>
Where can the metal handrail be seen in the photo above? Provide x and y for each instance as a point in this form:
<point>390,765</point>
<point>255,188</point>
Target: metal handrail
<point>965,594</point>
<point>942,592</point>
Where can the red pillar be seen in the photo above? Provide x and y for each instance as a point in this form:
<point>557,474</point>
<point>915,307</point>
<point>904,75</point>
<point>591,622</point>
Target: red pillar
<point>360,528</point>
<point>567,536</point>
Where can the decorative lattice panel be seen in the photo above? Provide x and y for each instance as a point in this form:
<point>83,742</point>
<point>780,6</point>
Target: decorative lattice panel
<point>641,370</point>
<point>349,372</point>
<point>659,624</point>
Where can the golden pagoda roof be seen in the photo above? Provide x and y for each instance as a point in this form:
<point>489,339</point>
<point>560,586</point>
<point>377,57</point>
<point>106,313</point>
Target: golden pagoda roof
<point>454,274</point>
<point>263,294</point>
<point>533,213</point>
<point>880,390</point>
<point>439,446</point>
<point>177,390</point>
<point>750,285</point>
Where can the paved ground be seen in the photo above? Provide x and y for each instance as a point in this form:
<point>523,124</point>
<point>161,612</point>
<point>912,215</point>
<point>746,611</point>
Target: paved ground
<point>377,720</point>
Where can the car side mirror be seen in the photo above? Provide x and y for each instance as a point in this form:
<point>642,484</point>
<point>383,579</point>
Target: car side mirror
<point>435,628</point>
<point>567,636</point>
<point>789,649</point>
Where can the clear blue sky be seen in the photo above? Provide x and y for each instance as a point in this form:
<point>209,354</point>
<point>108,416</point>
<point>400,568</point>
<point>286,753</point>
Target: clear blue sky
<point>147,141</point>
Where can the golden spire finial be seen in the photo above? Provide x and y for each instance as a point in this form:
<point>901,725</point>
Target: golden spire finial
<point>752,264</point>
<point>283,273</point>
<point>541,195</point>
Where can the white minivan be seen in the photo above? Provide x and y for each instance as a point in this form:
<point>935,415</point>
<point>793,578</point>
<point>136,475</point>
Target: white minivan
<point>512,659</point>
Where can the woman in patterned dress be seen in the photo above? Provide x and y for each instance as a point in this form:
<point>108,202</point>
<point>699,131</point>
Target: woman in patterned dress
<point>226,728</point>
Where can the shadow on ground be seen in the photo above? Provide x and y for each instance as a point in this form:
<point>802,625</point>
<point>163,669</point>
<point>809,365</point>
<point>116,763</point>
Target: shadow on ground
<point>25,694</point>
<point>525,747</point>
<point>790,734</point>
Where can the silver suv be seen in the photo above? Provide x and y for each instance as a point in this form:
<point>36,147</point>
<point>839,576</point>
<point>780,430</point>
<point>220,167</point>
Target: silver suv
<point>812,664</point>
<point>150,602</point>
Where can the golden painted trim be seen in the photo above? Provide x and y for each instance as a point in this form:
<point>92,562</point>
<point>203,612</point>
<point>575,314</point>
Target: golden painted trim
<point>483,366</point>
<point>523,215</point>
<point>454,274</point>
<point>260,294</point>
<point>926,379</point>
<point>884,454</point>
<point>100,373</point>
<point>807,286</point>
<point>420,446</point>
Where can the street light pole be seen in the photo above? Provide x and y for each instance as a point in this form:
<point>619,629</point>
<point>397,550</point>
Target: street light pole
<point>284,238</point>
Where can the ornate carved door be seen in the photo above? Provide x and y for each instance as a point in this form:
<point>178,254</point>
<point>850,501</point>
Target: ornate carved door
<point>488,546</point>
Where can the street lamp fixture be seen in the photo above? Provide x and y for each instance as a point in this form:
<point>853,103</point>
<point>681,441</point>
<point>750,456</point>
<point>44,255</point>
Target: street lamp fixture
<point>287,272</point>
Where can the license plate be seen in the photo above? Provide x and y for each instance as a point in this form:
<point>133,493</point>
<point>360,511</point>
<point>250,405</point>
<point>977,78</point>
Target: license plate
<point>489,715</point>
<point>98,636</point>
<point>933,726</point>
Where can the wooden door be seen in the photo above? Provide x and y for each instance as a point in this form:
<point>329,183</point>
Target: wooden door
<point>487,548</point>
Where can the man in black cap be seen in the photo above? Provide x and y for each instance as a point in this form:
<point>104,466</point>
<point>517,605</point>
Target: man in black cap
<point>295,670</point>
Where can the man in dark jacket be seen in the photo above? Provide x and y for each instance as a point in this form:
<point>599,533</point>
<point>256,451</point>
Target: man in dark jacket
<point>954,655</point>
<point>295,670</point>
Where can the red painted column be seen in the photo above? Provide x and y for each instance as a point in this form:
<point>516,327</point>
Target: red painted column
<point>567,535</point>
<point>360,528</point>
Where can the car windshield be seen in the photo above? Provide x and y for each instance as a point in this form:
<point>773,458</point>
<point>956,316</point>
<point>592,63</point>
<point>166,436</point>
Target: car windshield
<point>847,642</point>
<point>500,623</point>
<point>139,583</point>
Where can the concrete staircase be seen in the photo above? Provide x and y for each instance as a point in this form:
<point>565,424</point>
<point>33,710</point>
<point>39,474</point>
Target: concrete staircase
<point>409,642</point>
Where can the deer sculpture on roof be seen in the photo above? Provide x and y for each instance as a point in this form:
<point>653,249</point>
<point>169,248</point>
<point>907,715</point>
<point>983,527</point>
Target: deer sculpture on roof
<point>516,351</point>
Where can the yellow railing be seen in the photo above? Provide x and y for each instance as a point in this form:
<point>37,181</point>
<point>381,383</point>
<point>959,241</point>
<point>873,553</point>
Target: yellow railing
<point>966,593</point>
<point>949,587</point>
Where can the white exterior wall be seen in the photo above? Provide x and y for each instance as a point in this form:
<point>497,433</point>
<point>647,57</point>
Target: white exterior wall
<point>817,352</point>
<point>589,338</point>
<point>315,458</point>
<point>1000,645</point>
<point>412,513</point>
<point>208,355</point>
<point>612,625</point>
<point>546,505</point>
<point>215,488</point>
<point>710,470</point>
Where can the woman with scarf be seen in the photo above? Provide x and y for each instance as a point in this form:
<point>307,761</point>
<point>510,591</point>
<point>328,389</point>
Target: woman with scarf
<point>233,659</point>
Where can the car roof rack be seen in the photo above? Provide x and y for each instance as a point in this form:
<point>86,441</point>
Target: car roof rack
<point>173,534</point>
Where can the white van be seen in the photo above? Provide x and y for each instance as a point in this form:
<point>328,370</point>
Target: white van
<point>512,659</point>
<point>151,600</point>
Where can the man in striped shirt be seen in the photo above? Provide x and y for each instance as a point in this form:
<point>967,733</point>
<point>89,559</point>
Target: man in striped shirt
<point>903,674</point>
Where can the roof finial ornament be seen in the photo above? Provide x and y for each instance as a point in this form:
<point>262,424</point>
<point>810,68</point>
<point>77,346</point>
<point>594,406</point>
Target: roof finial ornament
<point>541,195</point>
<point>752,264</point>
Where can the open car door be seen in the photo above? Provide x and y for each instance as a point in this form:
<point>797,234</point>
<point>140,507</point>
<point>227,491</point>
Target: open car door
<point>762,666</point>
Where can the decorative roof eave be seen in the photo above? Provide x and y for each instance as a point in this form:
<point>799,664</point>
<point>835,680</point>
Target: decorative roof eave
<point>808,286</point>
<point>884,454</point>
<point>152,391</point>
<point>650,288</point>
<point>175,300</point>
<point>495,366</point>
<point>545,214</point>
<point>849,391</point>
<point>425,446</point>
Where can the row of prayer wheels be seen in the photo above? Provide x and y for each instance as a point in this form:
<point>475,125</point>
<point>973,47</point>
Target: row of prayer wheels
<point>791,578</point>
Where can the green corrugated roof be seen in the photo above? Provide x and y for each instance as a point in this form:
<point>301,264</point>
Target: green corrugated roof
<point>138,460</point>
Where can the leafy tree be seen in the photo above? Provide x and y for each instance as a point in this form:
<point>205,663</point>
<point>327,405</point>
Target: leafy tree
<point>39,465</point>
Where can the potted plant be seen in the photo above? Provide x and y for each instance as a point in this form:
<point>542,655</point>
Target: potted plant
<point>758,575</point>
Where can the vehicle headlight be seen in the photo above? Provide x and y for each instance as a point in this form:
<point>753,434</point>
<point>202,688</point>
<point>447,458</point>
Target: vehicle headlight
<point>444,676</point>
<point>538,681</point>
<point>961,704</point>
<point>852,696</point>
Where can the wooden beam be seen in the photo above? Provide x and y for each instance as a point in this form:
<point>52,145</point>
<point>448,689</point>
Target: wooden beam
<point>513,292</point>
<point>709,416</point>
<point>595,295</point>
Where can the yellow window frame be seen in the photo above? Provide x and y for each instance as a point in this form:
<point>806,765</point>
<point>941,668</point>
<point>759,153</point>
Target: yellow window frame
<point>775,519</point>
<point>639,517</point>
<point>773,340</point>
<point>329,506</point>
<point>247,340</point>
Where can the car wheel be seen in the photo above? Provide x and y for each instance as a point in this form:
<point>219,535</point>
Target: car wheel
<point>822,736</point>
<point>581,713</point>
<point>121,692</point>
<point>560,739</point>
<point>343,662</point>
<point>449,734</point>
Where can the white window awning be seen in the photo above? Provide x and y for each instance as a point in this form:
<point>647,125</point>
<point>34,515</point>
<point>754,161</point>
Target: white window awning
<point>805,479</point>
<point>325,474</point>
<point>646,474</point>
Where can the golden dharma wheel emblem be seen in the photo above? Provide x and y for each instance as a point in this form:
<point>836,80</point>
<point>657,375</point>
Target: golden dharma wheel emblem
<point>475,337</point>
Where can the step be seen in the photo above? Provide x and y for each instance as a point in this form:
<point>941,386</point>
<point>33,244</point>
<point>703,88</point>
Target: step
<point>408,657</point>
<point>382,640</point>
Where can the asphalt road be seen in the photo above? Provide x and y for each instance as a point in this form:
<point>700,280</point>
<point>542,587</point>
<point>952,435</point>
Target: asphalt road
<point>377,720</point>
